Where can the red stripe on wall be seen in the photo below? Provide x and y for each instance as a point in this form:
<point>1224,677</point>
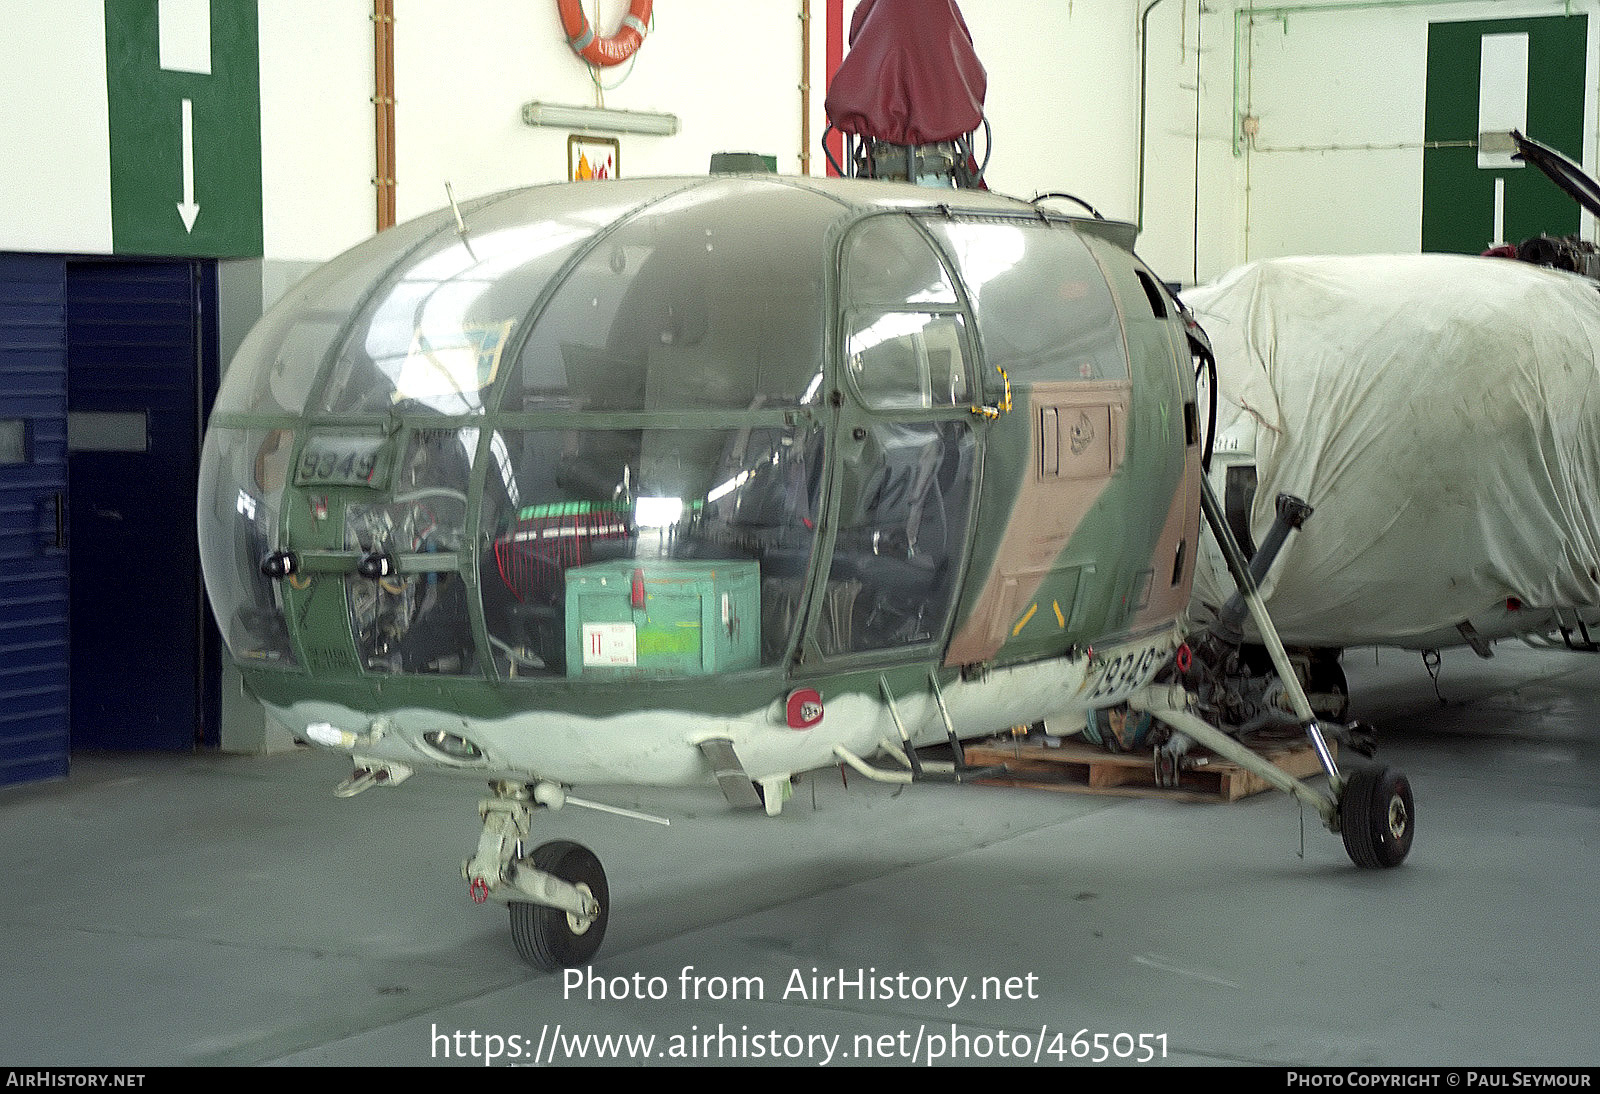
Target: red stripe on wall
<point>833,58</point>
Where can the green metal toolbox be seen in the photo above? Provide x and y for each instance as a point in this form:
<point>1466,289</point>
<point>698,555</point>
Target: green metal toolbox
<point>642,618</point>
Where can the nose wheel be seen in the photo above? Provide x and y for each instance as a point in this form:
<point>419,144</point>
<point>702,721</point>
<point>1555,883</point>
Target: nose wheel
<point>1377,817</point>
<point>552,938</point>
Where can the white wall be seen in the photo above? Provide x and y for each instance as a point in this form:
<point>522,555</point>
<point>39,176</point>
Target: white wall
<point>1063,103</point>
<point>317,142</point>
<point>1325,82</point>
<point>55,186</point>
<point>1060,74</point>
<point>1188,229</point>
<point>730,71</point>
<point>1324,85</point>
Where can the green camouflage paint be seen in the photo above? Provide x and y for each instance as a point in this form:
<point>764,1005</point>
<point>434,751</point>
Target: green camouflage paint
<point>1103,570</point>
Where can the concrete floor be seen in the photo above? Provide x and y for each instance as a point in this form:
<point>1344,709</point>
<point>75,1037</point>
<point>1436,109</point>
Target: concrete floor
<point>230,910</point>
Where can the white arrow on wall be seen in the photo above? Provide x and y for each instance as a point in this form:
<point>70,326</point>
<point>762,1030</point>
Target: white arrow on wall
<point>187,209</point>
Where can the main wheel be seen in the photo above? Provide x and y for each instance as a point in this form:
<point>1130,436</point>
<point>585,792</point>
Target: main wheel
<point>1377,817</point>
<point>550,938</point>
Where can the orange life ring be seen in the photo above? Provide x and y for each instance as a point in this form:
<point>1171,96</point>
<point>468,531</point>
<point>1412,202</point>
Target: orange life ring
<point>612,50</point>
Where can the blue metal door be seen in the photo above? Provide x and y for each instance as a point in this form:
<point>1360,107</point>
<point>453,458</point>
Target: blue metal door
<point>33,484</point>
<point>141,348</point>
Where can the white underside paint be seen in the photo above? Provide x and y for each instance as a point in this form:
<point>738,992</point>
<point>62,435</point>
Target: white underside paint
<point>661,747</point>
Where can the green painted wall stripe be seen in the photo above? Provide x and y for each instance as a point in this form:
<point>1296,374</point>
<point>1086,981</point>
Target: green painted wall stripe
<point>1458,195</point>
<point>205,156</point>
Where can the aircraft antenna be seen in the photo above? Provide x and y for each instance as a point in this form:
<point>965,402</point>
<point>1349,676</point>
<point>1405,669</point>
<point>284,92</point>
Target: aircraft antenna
<point>461,225</point>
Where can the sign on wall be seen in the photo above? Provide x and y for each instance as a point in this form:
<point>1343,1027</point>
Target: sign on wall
<point>593,158</point>
<point>184,97</point>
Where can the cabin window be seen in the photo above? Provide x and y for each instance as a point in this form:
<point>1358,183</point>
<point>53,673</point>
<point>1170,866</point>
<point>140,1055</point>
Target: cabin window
<point>889,262</point>
<point>908,360</point>
<point>278,364</point>
<point>904,494</point>
<point>416,619</point>
<point>1043,309</point>
<point>683,308</point>
<point>713,528</point>
<point>242,479</point>
<point>435,334</point>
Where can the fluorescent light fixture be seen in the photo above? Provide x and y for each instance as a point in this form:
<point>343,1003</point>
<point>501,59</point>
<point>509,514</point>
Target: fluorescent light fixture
<point>599,119</point>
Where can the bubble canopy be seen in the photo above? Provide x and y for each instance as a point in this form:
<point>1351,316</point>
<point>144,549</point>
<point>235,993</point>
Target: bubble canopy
<point>581,431</point>
<point>555,297</point>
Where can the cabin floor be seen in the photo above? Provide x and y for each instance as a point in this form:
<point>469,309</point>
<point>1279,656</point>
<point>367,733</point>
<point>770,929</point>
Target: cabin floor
<point>230,910</point>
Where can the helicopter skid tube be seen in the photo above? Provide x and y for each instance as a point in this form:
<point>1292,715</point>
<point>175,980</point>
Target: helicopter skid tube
<point>1169,704</point>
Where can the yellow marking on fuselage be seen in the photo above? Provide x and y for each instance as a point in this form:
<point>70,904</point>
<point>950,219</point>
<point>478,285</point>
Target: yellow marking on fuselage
<point>1061,620</point>
<point>1023,622</point>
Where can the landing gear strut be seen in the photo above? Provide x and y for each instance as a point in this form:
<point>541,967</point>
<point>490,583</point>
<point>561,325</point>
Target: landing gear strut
<point>558,895</point>
<point>1372,807</point>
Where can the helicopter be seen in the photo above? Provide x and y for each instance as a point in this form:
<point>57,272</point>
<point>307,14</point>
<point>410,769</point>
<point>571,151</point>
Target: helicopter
<point>718,480</point>
<point>1438,407</point>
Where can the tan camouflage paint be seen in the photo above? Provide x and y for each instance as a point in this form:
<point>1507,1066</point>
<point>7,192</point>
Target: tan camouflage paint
<point>1079,439</point>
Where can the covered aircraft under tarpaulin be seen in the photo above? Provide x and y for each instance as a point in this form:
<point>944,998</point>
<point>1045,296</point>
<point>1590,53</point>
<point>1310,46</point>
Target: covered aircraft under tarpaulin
<point>1442,414</point>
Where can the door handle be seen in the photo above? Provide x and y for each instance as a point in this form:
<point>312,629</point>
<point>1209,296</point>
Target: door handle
<point>50,522</point>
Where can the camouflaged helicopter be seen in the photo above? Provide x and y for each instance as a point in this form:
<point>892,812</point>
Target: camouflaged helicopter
<point>718,479</point>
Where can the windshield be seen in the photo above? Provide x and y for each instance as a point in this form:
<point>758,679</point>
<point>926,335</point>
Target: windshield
<point>565,439</point>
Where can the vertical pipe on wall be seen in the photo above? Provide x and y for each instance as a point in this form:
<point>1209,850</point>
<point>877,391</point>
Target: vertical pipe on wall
<point>1144,65</point>
<point>383,108</point>
<point>805,87</point>
<point>1199,22</point>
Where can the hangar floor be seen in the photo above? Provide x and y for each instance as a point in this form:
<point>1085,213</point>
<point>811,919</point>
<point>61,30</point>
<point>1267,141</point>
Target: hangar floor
<point>230,910</point>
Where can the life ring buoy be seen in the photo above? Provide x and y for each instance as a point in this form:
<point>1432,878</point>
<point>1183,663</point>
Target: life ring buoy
<point>612,50</point>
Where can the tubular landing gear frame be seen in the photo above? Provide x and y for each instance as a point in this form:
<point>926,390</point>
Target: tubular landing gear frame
<point>1372,808</point>
<point>558,896</point>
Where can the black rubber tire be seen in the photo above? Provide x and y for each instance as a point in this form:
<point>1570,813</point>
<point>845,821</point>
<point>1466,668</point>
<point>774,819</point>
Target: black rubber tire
<point>547,937</point>
<point>1377,817</point>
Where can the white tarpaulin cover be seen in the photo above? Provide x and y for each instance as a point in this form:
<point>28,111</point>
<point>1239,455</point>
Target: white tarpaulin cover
<point>1441,413</point>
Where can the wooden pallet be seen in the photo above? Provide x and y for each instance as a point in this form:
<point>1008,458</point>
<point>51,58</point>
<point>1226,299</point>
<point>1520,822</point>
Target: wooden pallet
<point>1082,768</point>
